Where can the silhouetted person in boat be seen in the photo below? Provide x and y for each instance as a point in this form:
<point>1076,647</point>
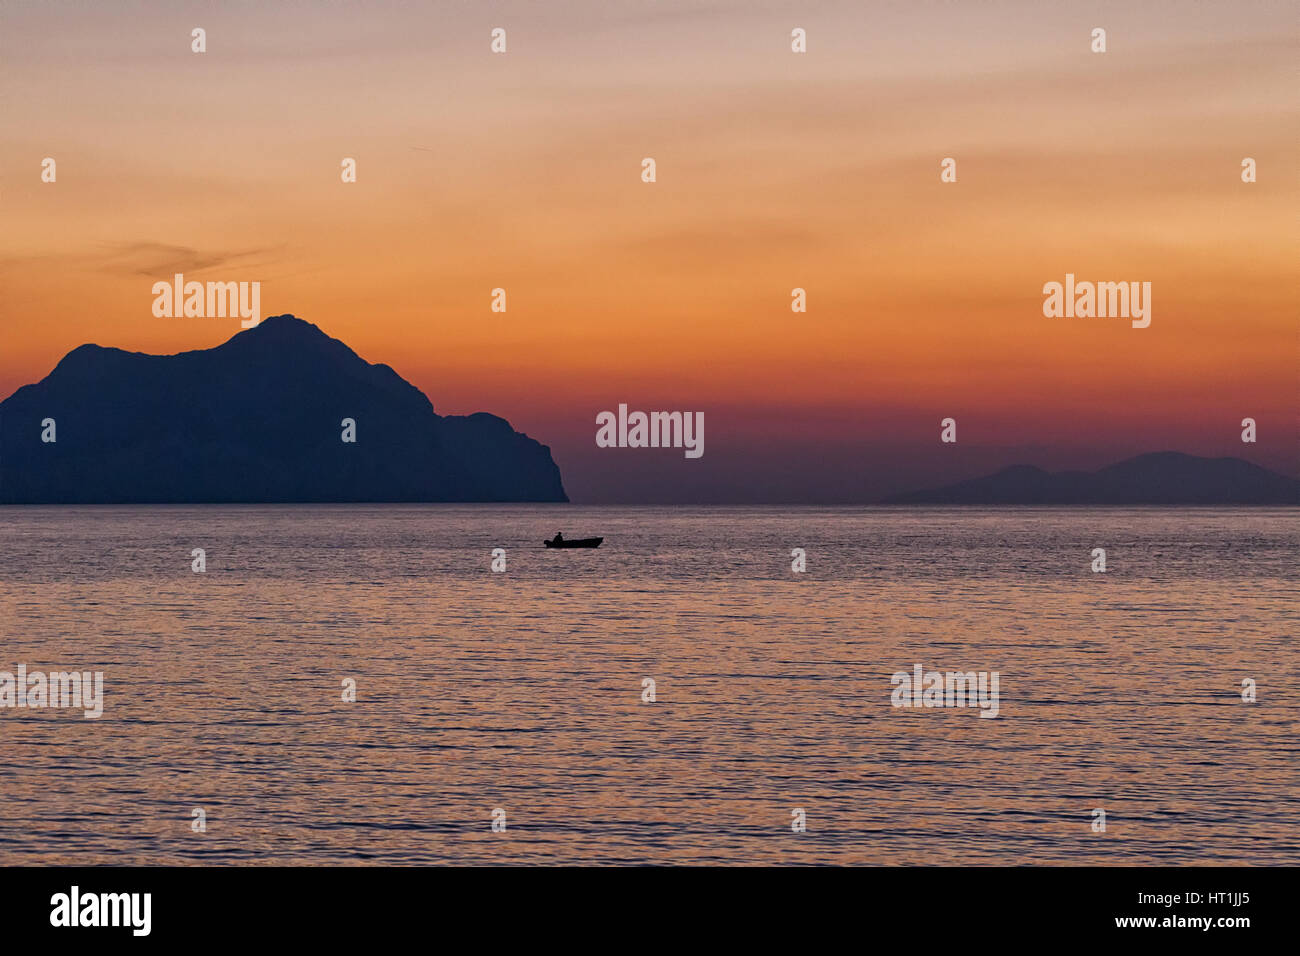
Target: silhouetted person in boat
<point>558,537</point>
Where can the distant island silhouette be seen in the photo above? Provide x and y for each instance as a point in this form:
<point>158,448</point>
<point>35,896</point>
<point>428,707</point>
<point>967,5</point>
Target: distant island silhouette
<point>260,419</point>
<point>257,419</point>
<point>1159,478</point>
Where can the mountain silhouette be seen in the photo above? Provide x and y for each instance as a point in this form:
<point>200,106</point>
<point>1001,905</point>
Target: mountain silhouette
<point>256,419</point>
<point>1159,478</point>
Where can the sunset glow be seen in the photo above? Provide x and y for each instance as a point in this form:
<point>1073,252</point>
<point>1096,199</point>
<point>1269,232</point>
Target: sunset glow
<point>774,172</point>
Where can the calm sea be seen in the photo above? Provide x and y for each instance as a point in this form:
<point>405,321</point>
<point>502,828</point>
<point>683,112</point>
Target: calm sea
<point>523,690</point>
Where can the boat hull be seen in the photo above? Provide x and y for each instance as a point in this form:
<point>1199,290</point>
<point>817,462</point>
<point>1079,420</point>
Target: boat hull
<point>575,543</point>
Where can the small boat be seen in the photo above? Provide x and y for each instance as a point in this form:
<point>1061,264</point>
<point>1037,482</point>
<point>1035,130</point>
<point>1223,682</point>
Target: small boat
<point>573,542</point>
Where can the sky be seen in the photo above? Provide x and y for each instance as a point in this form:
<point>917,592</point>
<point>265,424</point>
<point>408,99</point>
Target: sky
<point>775,171</point>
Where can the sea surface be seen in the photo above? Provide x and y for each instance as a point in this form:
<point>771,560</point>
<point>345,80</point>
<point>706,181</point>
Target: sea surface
<point>522,691</point>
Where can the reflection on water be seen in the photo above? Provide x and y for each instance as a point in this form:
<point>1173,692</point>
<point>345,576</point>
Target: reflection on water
<point>522,690</point>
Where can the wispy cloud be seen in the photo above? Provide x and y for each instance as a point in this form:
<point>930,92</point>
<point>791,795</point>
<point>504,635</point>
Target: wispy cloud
<point>149,258</point>
<point>154,258</point>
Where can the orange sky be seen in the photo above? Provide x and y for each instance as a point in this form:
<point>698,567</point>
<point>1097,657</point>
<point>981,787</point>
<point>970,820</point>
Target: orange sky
<point>775,170</point>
